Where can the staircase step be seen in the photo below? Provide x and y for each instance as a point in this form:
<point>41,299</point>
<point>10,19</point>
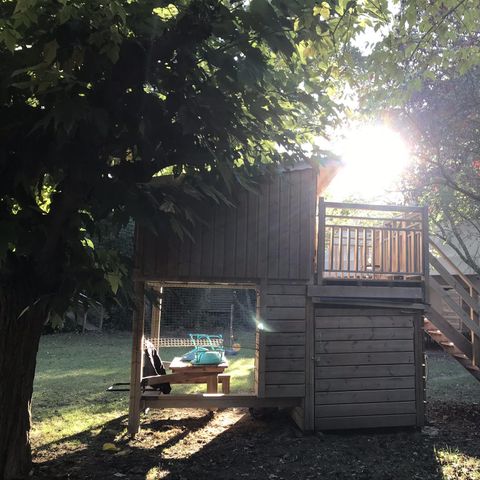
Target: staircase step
<point>473,368</point>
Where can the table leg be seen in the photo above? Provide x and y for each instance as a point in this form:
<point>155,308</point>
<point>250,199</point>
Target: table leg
<point>212,384</point>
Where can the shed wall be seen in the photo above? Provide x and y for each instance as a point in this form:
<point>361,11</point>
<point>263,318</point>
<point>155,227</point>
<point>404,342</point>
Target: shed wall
<point>284,340</point>
<point>268,234</point>
<point>368,368</point>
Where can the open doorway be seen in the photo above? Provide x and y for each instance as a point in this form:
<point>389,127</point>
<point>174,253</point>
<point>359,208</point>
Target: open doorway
<point>226,314</point>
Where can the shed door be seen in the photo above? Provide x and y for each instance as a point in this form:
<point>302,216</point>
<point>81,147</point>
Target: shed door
<point>365,372</point>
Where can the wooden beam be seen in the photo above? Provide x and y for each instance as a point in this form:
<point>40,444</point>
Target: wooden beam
<point>455,307</point>
<point>309,403</point>
<point>364,206</point>
<point>419,370</point>
<point>154,400</point>
<point>346,291</point>
<point>136,365</point>
<point>460,341</point>
<point>445,274</point>
<point>321,240</point>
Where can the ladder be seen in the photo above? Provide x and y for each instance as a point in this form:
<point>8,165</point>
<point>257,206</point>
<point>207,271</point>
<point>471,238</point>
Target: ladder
<point>452,319</point>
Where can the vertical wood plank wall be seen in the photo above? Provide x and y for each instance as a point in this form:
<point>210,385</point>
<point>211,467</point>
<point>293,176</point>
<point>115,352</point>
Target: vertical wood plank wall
<point>368,369</point>
<point>267,235</point>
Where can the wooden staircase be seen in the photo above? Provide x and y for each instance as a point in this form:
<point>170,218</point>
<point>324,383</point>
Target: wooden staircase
<point>452,319</point>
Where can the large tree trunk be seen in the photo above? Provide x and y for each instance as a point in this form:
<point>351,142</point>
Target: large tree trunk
<point>19,339</point>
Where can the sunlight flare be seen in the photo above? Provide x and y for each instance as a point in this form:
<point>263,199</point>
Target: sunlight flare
<point>374,157</point>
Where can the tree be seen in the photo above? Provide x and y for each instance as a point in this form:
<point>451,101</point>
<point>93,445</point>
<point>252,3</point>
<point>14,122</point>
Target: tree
<point>97,98</point>
<point>424,76</point>
<point>445,174</point>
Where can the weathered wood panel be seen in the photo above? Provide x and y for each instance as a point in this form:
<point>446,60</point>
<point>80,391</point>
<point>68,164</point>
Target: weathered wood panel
<point>285,390</point>
<point>286,326</point>
<point>364,396</point>
<point>356,409</point>
<point>363,346</point>
<point>267,234</point>
<point>361,371</point>
<point>364,321</point>
<point>365,368</point>
<point>285,340</point>
<point>371,333</point>
<point>387,358</point>
<point>368,421</point>
<point>284,365</point>
<point>286,313</point>
<point>376,383</point>
<point>285,378</point>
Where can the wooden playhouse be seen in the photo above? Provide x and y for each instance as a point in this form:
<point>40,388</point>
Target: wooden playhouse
<point>343,296</point>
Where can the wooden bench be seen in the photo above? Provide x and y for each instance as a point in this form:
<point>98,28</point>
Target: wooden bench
<point>224,379</point>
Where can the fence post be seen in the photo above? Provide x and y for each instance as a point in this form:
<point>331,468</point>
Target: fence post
<point>321,240</point>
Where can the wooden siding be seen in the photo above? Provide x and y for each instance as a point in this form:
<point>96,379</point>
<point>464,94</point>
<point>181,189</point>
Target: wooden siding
<point>366,372</point>
<point>284,341</point>
<point>267,234</point>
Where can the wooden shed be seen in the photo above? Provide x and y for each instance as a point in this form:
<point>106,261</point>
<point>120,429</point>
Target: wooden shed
<point>343,293</point>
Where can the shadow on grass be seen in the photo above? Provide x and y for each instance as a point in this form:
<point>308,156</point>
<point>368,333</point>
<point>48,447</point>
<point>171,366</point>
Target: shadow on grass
<point>196,444</point>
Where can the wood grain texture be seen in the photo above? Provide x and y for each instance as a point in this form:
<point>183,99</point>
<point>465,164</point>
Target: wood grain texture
<point>368,421</point>
<point>374,383</point>
<point>265,234</point>
<point>357,409</point>
<point>365,396</point>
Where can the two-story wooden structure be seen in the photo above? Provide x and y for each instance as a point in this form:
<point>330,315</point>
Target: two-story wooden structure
<point>343,295</point>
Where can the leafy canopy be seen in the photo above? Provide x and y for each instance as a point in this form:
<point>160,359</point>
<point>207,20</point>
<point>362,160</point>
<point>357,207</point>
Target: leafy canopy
<point>98,98</point>
<point>425,74</point>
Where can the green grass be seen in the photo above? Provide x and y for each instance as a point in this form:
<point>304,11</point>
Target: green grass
<point>73,372</point>
<point>447,380</point>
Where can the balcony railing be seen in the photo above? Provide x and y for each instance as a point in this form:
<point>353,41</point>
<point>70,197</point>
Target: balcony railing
<point>371,242</point>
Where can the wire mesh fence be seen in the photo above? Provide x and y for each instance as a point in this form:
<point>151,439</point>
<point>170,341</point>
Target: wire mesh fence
<point>215,311</point>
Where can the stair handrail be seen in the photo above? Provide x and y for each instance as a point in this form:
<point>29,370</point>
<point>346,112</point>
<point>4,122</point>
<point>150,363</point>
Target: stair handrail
<point>458,272</point>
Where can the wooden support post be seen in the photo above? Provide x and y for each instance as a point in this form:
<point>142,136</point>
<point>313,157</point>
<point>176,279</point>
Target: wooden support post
<point>212,384</point>
<point>419,368</point>
<point>156,315</point>
<point>425,255</point>
<point>321,241</point>
<point>309,403</point>
<point>474,338</point>
<point>137,359</point>
<point>261,347</point>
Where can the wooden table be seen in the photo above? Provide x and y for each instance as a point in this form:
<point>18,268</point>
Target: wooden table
<point>188,373</point>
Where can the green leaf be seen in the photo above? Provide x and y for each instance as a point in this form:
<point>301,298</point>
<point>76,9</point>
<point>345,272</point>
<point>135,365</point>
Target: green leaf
<point>50,52</point>
<point>322,9</point>
<point>114,280</point>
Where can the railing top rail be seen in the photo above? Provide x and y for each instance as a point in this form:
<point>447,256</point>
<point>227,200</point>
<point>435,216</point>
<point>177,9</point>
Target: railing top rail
<point>382,208</point>
<point>384,219</point>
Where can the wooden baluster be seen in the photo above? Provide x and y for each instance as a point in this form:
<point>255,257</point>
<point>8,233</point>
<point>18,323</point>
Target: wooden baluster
<point>355,260</point>
<point>340,252</point>
<point>380,241</point>
<point>348,252</point>
<point>322,235</point>
<point>390,250</point>
<point>332,247</point>
<point>373,252</point>
<point>365,245</point>
<point>474,338</point>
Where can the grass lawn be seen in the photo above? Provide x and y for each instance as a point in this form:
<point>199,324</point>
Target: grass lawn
<point>74,416</point>
<point>73,372</point>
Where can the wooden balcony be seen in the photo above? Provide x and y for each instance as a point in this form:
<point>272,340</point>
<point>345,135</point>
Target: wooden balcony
<point>370,251</point>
